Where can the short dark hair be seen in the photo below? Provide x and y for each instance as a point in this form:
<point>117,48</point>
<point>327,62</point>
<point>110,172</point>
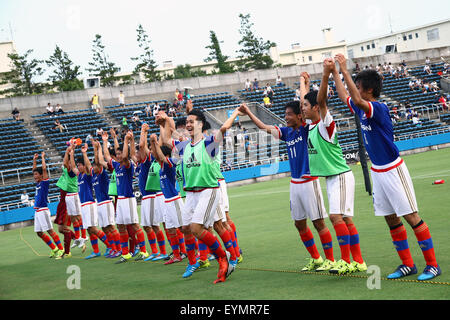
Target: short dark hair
<point>200,116</point>
<point>180,123</point>
<point>38,170</point>
<point>312,97</point>
<point>207,126</point>
<point>370,79</point>
<point>166,151</point>
<point>294,106</point>
<point>80,159</point>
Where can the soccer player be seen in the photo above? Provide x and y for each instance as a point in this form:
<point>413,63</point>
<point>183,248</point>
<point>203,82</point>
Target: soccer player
<point>126,202</point>
<point>42,222</point>
<point>174,206</point>
<point>326,160</point>
<point>305,194</point>
<point>88,204</point>
<point>105,207</point>
<point>201,187</point>
<point>389,173</point>
<point>152,213</point>
<point>62,219</point>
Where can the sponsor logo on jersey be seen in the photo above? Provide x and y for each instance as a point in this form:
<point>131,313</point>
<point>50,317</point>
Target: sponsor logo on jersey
<point>192,161</point>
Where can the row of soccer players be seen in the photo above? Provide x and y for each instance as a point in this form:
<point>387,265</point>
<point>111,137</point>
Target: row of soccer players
<point>314,151</point>
<point>203,209</point>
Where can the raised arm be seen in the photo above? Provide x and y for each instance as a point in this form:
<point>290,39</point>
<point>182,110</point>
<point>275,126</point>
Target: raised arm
<point>99,159</point>
<point>353,90</point>
<point>328,66</point>
<point>73,167</point>
<point>167,128</point>
<point>44,167</point>
<point>114,136</point>
<point>107,156</point>
<point>261,125</point>
<point>228,124</point>
<point>143,144</point>
<point>304,86</point>
<point>129,138</point>
<point>66,158</point>
<point>87,163</point>
<point>156,149</point>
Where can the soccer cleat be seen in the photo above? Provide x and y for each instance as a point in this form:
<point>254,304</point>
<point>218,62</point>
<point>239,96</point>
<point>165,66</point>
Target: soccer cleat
<point>124,258</point>
<point>170,256</point>
<point>64,256</point>
<point>183,255</point>
<point>204,264</point>
<point>151,257</point>
<point>327,265</point>
<point>75,243</point>
<point>117,254</point>
<point>53,253</point>
<point>93,255</point>
<point>190,269</point>
<point>136,251</point>
<point>240,259</point>
<point>402,271</point>
<point>141,256</point>
<point>358,267</point>
<point>234,263</point>
<point>340,267</point>
<point>160,257</point>
<point>107,252</point>
<point>225,268</point>
<point>173,260</point>
<point>211,257</point>
<point>429,273</point>
<point>313,264</point>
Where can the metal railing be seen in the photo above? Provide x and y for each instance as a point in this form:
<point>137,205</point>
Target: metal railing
<point>25,171</point>
<point>20,204</point>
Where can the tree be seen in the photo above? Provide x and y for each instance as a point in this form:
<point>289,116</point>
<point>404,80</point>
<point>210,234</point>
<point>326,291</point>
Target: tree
<point>186,71</point>
<point>216,54</point>
<point>146,64</point>
<point>254,53</point>
<point>64,73</point>
<point>22,74</point>
<point>100,66</point>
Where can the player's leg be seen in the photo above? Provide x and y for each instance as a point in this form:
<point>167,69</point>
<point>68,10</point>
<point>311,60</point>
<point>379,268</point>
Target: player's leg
<point>224,234</point>
<point>147,212</point>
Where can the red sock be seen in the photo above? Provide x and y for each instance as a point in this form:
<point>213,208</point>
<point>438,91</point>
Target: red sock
<point>175,244</point>
<point>68,236</point>
<point>131,235</point>
<point>211,241</point>
<point>423,236</point>
<point>343,236</point>
<point>151,236</point>
<point>400,240</point>
<point>110,238</point>
<point>190,248</point>
<point>181,241</point>
<point>354,243</point>
<point>116,236</point>
<point>226,239</point>
<point>76,229</point>
<point>94,242</point>
<point>83,231</point>
<point>141,240</point>
<point>327,243</point>
<point>124,242</point>
<point>56,239</point>
<point>203,250</point>
<point>48,241</point>
<point>161,242</point>
<point>235,245</point>
<point>308,240</point>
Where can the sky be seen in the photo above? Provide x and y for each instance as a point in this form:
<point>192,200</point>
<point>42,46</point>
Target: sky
<point>179,29</point>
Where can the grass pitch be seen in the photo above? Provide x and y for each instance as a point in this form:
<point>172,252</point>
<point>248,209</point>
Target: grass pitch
<point>272,250</point>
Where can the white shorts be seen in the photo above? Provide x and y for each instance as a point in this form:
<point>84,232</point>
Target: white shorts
<point>224,203</point>
<point>174,212</point>
<point>341,194</point>
<point>106,214</point>
<point>42,221</point>
<point>127,211</point>
<point>73,204</point>
<point>152,210</point>
<point>393,190</point>
<point>200,207</point>
<point>89,214</point>
<point>306,200</point>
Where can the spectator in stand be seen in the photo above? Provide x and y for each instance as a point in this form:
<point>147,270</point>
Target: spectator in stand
<point>443,103</point>
<point>255,85</point>
<point>248,85</point>
<point>99,131</point>
<point>58,109</point>
<point>50,110</point>
<point>95,103</point>
<point>357,68</point>
<point>187,95</point>
<point>25,199</point>
<point>16,114</point>
<point>180,99</point>
<point>172,111</point>
<point>268,90</point>
<point>402,111</point>
<point>121,99</point>
<point>279,82</point>
<point>266,101</point>
<point>124,123</point>
<point>427,61</point>
<point>148,110</point>
<point>427,69</point>
<point>156,109</point>
<point>297,95</point>
<point>412,84</point>
<point>416,121</point>
<point>59,126</point>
